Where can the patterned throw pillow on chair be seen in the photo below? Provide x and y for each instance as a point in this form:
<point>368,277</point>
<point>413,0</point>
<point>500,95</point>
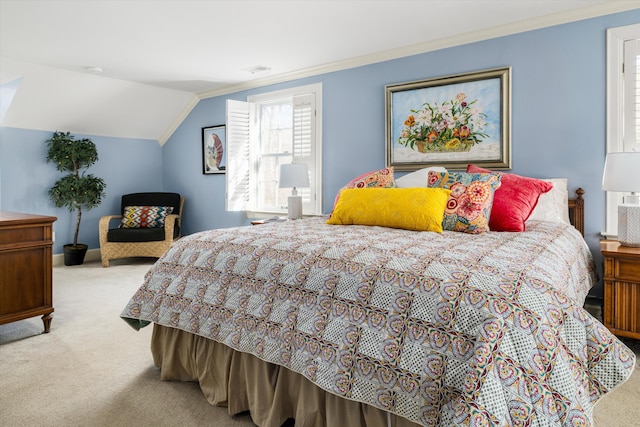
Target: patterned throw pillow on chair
<point>145,216</point>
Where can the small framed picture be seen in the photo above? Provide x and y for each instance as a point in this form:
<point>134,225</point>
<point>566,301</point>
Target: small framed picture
<point>214,153</point>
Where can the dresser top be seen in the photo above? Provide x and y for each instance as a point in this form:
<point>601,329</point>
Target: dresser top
<point>613,246</point>
<point>24,218</point>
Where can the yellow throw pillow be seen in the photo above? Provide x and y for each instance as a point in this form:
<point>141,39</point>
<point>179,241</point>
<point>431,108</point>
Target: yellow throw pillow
<point>420,209</point>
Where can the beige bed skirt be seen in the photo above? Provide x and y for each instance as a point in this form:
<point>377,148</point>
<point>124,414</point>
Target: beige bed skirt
<point>242,382</point>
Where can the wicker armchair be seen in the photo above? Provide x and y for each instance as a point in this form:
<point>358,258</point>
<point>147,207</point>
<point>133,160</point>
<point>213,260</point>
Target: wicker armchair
<point>118,242</point>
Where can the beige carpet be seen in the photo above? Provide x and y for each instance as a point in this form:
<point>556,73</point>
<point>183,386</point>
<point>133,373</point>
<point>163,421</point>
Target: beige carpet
<point>92,369</point>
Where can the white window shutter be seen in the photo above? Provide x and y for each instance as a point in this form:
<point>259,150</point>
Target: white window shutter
<point>238,155</point>
<point>623,105</point>
<point>256,147</point>
<point>303,126</point>
<point>632,95</point>
<point>304,134</point>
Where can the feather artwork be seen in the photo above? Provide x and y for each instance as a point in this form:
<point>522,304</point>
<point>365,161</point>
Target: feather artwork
<point>217,149</point>
<point>213,153</point>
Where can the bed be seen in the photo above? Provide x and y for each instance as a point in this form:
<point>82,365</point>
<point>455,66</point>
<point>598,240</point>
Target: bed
<point>370,325</point>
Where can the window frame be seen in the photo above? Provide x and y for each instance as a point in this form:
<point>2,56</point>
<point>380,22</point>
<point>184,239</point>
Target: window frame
<point>616,38</point>
<point>314,207</point>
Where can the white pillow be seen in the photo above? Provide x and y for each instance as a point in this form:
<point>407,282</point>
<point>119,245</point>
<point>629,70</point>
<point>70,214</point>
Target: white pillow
<point>417,178</point>
<point>553,206</point>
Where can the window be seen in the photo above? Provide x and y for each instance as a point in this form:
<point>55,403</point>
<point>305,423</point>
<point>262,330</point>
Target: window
<point>623,104</point>
<point>265,132</point>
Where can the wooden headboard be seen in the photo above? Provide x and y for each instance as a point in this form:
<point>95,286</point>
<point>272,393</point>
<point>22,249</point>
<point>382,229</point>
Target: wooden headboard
<point>576,211</point>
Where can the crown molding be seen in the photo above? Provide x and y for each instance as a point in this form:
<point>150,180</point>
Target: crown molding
<point>191,104</point>
<point>587,12</point>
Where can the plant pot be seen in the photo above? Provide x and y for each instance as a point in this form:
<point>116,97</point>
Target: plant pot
<point>74,255</point>
<point>422,146</point>
<point>460,146</point>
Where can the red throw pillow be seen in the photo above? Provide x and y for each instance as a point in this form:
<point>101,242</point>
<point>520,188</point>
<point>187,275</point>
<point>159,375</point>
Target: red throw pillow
<point>514,201</point>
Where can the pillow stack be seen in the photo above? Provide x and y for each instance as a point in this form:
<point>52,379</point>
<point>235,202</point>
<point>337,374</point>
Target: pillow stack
<point>476,201</point>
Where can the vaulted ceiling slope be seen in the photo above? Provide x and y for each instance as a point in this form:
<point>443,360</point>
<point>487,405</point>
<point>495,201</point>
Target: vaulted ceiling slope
<point>134,69</point>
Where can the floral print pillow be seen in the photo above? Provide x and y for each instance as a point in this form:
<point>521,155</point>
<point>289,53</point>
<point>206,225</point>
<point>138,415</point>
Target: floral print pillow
<point>382,178</point>
<point>469,205</point>
<point>379,178</point>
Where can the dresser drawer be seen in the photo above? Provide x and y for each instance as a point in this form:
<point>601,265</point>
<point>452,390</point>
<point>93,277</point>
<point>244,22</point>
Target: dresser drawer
<point>627,269</point>
<point>22,234</point>
<point>621,289</point>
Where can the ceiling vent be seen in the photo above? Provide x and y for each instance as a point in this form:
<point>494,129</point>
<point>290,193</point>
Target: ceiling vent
<point>259,70</point>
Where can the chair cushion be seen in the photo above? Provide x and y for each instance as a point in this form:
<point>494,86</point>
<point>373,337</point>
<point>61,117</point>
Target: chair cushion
<point>152,199</point>
<point>135,235</point>
<point>146,234</point>
<point>151,234</point>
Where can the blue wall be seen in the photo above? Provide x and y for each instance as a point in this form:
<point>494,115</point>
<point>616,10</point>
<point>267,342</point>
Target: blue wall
<point>558,130</point>
<point>126,165</point>
<point>558,117</point>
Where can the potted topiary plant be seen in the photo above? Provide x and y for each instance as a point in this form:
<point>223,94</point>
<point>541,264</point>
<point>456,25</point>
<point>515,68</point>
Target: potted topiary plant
<point>76,189</point>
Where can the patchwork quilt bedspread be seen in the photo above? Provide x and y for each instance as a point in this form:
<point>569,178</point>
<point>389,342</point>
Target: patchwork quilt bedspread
<point>442,329</point>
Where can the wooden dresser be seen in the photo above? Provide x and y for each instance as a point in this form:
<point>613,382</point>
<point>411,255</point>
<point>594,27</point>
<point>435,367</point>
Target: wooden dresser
<point>621,289</point>
<point>25,267</point>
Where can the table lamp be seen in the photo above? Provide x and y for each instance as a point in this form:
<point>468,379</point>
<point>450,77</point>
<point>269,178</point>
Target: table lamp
<point>294,176</point>
<point>622,173</point>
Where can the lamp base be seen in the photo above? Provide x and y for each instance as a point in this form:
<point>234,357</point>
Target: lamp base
<point>294,207</point>
<point>631,199</point>
<point>629,225</point>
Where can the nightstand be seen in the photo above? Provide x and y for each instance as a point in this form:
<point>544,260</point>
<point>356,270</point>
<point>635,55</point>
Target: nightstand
<point>621,289</point>
<point>266,220</point>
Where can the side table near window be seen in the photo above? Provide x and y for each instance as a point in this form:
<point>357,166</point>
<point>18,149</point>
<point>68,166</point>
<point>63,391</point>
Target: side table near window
<point>26,267</point>
<point>267,220</point>
<point>621,288</point>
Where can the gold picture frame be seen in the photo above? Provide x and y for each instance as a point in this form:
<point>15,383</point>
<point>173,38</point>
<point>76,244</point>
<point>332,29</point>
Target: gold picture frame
<point>450,121</point>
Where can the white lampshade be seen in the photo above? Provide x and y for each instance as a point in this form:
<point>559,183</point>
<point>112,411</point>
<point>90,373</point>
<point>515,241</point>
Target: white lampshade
<point>622,173</point>
<point>294,175</point>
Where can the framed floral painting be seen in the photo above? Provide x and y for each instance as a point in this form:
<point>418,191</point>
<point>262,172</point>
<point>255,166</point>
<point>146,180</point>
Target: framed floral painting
<point>450,121</point>
<point>213,149</point>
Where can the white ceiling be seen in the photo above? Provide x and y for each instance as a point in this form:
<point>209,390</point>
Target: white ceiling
<point>207,48</point>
